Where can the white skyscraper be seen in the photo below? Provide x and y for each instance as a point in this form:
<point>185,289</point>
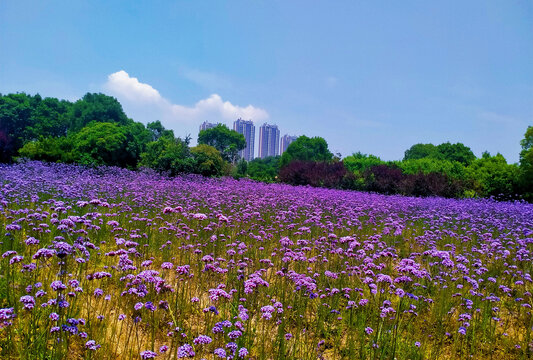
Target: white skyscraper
<point>268,140</point>
<point>247,128</point>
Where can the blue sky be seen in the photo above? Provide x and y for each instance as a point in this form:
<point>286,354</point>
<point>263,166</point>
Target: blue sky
<point>367,76</point>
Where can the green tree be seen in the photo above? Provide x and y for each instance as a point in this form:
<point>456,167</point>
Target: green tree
<point>168,155</point>
<point>15,117</point>
<point>266,169</point>
<point>49,118</point>
<point>307,149</point>
<point>453,169</point>
<point>228,142</point>
<point>526,164</point>
<point>492,176</point>
<point>358,162</point>
<point>157,130</point>
<point>207,160</point>
<point>98,108</point>
<point>456,152</point>
<point>420,151</point>
<point>101,143</point>
<point>52,149</point>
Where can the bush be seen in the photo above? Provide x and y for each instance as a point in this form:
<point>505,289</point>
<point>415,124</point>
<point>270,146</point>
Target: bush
<point>207,160</point>
<point>318,174</point>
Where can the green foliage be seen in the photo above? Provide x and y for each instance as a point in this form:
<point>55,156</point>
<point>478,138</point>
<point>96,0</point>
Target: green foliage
<point>456,152</point>
<point>492,176</point>
<point>52,149</point>
<point>168,155</point>
<point>445,151</point>
<point>101,143</point>
<point>98,108</point>
<point>266,169</point>
<point>420,151</point>
<point>453,169</point>
<point>306,149</point>
<point>526,164</point>
<point>49,118</point>
<point>15,117</point>
<point>227,142</point>
<point>207,160</point>
<point>157,130</point>
<point>241,169</point>
<point>95,131</point>
<point>358,162</point>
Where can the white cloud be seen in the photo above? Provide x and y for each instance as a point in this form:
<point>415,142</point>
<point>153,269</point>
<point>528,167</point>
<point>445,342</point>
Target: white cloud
<point>144,103</point>
<point>215,106</point>
<point>120,83</point>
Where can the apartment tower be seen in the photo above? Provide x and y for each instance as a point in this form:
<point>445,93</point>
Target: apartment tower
<point>285,141</point>
<point>247,128</point>
<point>207,125</point>
<point>268,140</point>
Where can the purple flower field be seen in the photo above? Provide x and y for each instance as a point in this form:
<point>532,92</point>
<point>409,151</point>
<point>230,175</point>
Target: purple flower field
<point>112,264</point>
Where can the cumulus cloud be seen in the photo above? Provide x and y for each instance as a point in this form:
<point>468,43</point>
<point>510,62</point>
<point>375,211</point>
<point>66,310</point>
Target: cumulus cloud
<point>120,83</point>
<point>214,105</point>
<point>135,94</point>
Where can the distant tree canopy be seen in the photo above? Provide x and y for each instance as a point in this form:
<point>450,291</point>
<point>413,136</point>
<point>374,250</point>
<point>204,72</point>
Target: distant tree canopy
<point>526,163</point>
<point>445,151</point>
<point>208,161</point>
<point>359,162</point>
<point>266,169</point>
<point>420,151</point>
<point>168,155</point>
<point>492,176</point>
<point>157,130</point>
<point>227,142</point>
<point>306,149</point>
<point>98,108</point>
<point>95,130</point>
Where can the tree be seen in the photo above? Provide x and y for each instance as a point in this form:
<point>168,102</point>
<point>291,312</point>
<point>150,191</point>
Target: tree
<point>306,149</point>
<point>420,151</point>
<point>168,155</point>
<point>227,142</point>
<point>207,160</point>
<point>241,169</point>
<point>49,118</point>
<point>456,152</point>
<point>157,130</point>
<point>15,116</point>
<point>266,169</point>
<point>526,164</point>
<point>492,176</point>
<point>359,162</point>
<point>102,143</point>
<point>52,149</point>
<point>96,107</point>
<point>452,169</point>
<point>445,151</point>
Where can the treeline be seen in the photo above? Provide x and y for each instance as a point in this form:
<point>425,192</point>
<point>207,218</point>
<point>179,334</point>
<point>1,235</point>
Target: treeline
<point>95,131</point>
<point>448,170</point>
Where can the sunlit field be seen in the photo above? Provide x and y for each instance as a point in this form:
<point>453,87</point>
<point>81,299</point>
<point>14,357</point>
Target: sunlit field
<point>112,264</point>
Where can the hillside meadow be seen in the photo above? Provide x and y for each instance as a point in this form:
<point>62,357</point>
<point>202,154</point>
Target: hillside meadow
<point>107,263</point>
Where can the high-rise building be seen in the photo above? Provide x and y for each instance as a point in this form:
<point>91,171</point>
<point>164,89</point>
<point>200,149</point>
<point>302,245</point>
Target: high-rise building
<point>285,141</point>
<point>207,125</point>
<point>268,140</point>
<point>247,128</point>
